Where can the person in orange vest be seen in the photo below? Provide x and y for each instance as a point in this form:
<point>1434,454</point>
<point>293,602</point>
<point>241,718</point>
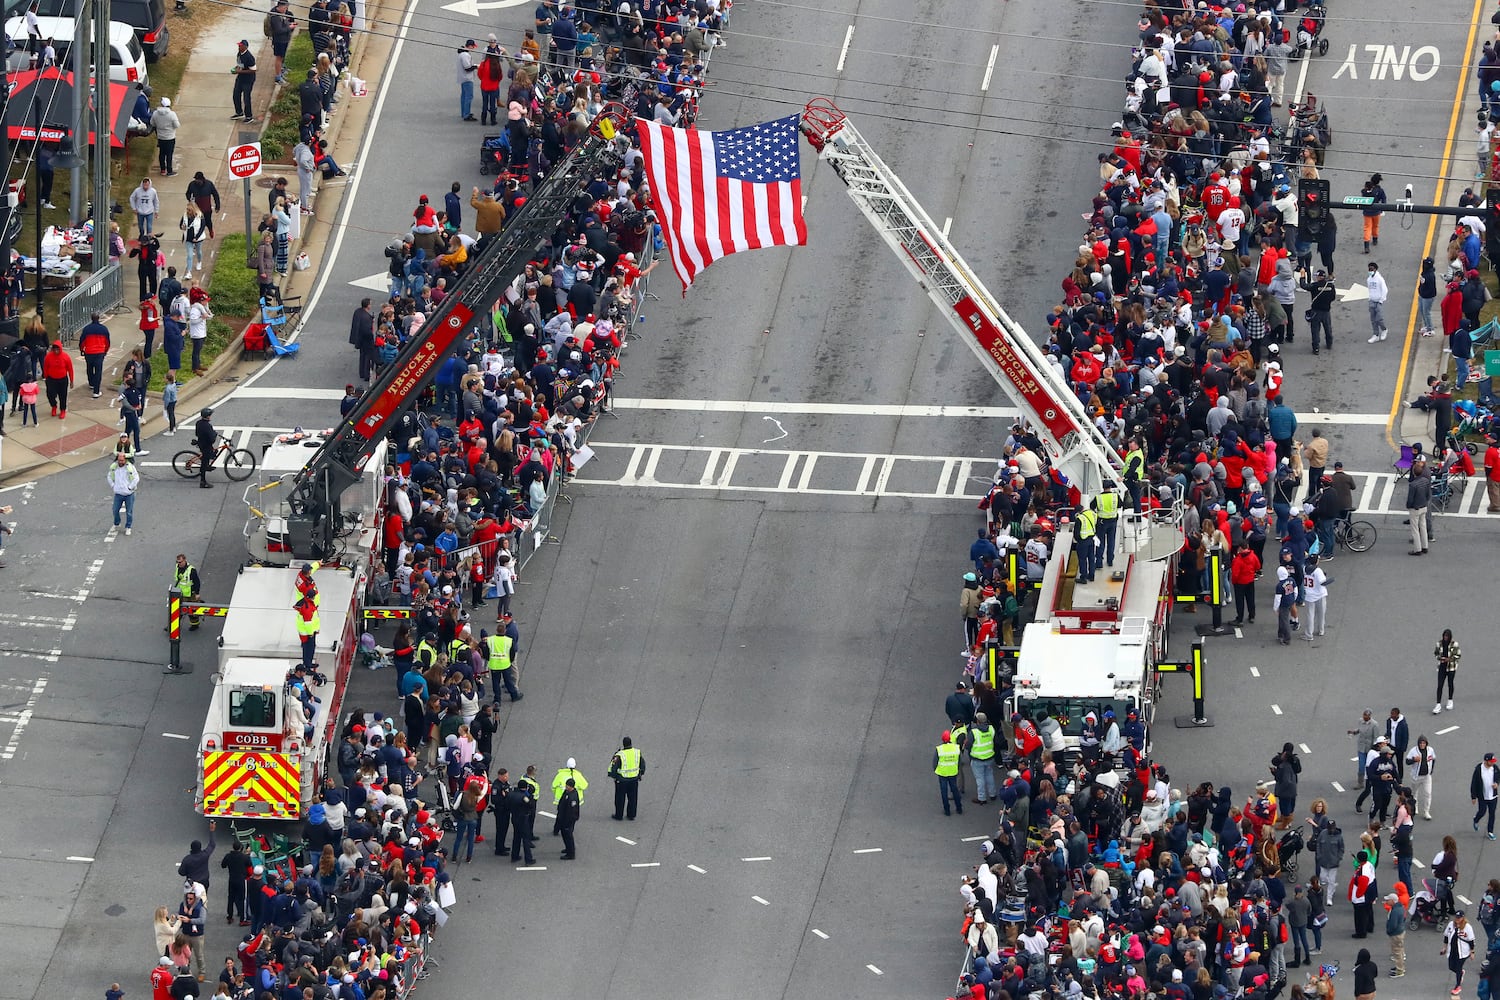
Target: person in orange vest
<point>307,627</point>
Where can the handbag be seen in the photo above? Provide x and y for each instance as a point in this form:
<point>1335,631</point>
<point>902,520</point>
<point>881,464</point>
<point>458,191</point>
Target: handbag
<point>491,592</point>
<point>302,262</point>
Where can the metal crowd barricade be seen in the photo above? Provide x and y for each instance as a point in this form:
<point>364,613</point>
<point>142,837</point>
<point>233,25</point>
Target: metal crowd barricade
<point>100,292</point>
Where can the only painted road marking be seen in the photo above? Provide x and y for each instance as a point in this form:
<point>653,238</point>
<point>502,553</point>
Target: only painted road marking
<point>645,864</point>
<point>875,970</point>
<point>1337,787</point>
<point>626,840</point>
<point>755,859</point>
<point>1276,709</point>
<point>1445,732</point>
<point>175,736</point>
<point>869,850</point>
<point>762,902</point>
<point>1305,748</point>
<point>700,871</point>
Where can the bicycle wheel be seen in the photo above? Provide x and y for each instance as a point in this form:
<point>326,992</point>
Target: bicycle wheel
<point>185,464</point>
<point>239,464</point>
<point>1359,536</point>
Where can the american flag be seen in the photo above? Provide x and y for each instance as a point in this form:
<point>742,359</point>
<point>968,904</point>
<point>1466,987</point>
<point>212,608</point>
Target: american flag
<point>718,193</point>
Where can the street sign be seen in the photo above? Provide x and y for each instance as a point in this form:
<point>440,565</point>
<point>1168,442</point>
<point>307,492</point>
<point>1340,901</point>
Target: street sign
<point>244,161</point>
<point>1355,199</point>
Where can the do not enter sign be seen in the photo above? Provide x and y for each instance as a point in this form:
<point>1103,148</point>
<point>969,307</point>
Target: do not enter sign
<point>244,161</point>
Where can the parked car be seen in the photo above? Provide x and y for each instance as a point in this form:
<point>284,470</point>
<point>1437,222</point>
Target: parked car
<point>148,18</point>
<point>127,60</point>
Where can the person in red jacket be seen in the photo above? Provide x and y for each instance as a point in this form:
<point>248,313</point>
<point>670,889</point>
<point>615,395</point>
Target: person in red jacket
<point>1028,742</point>
<point>57,371</point>
<point>1452,308</point>
<point>93,344</point>
<point>1243,568</point>
<point>150,322</point>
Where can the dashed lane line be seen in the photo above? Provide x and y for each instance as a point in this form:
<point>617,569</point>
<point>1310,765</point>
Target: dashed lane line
<point>645,864</point>
<point>1445,732</point>
<point>875,970</point>
<point>23,719</point>
<point>626,840</point>
<point>762,902</point>
<point>1337,787</point>
<point>756,859</point>
<point>869,850</point>
<point>820,934</point>
<point>700,871</point>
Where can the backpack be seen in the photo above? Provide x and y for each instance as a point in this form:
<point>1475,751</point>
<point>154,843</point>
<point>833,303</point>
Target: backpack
<point>1487,910</point>
<point>265,26</point>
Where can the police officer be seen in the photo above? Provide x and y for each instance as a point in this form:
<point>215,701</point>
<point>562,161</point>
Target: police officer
<point>962,738</point>
<point>945,765</point>
<point>626,767</point>
<point>1135,471</point>
<point>186,582</point>
<point>568,804</point>
<point>205,436</point>
<point>1108,506</point>
<point>496,651</point>
<point>500,805</point>
<point>567,775</point>
<point>522,811</point>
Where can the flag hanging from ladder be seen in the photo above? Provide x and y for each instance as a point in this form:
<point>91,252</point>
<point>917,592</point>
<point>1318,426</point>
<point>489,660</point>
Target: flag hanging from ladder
<point>717,193</point>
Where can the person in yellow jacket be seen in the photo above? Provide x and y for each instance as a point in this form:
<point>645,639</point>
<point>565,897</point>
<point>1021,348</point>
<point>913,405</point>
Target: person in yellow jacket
<point>560,784</point>
<point>945,766</point>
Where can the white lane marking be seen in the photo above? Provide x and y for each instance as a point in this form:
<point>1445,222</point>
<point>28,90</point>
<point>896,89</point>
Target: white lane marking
<point>755,859</point>
<point>1337,787</point>
<point>989,71</point>
<point>1301,81</point>
<point>1417,864</point>
<point>700,871</point>
<point>1276,709</point>
<point>1239,633</point>
<point>762,902</point>
<point>852,409</point>
<point>76,857</point>
<point>820,934</point>
<point>875,970</point>
<point>869,850</point>
<point>1445,732</point>
<point>531,868</point>
<point>174,736</point>
<point>1254,671</point>
<point>970,840</point>
<point>540,812</point>
<point>23,719</point>
<point>947,225</point>
<point>270,392</point>
<point>844,52</point>
<point>1304,747</point>
<point>1463,899</point>
<point>350,197</point>
<point>645,864</point>
<point>18,486</point>
<point>626,840</point>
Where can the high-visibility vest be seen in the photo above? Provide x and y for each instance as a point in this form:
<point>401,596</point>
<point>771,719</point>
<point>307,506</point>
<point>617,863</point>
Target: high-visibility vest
<point>630,762</point>
<point>183,580</point>
<point>984,743</point>
<point>957,735</point>
<point>425,647</point>
<point>947,765</point>
<point>1109,506</point>
<point>457,648</point>
<point>499,658</point>
<point>307,627</point>
<point>1087,522</point>
<point>1135,464</point>
<point>531,783</point>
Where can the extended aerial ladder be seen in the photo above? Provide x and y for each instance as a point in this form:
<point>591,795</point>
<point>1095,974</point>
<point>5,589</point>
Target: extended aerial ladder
<point>314,522</point>
<point>1077,448</point>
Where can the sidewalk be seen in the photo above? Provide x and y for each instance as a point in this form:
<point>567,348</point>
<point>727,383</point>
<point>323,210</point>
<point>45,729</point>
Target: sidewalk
<point>1429,358</point>
<point>204,105</point>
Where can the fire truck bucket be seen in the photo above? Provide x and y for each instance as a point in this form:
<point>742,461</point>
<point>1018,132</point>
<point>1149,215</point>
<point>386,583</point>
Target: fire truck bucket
<point>1152,536</point>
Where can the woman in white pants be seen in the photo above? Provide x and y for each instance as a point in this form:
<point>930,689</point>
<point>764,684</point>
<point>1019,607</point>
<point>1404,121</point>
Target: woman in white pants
<point>1420,763</point>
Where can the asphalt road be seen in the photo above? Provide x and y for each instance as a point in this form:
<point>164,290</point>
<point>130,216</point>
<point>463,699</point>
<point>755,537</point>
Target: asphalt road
<point>781,657</point>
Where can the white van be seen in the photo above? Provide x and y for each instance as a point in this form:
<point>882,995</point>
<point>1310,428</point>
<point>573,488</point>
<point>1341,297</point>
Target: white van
<point>127,60</point>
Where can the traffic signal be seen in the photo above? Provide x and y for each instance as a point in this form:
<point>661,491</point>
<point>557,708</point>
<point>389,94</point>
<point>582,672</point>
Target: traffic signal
<point>1312,206</point>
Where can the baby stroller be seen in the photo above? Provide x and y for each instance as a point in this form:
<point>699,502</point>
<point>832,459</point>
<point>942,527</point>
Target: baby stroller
<point>1288,847</point>
<point>1310,32</point>
<point>1425,909</point>
<point>494,154</point>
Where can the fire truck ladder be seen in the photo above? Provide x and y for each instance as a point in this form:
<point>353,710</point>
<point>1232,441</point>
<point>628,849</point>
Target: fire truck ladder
<point>313,526</point>
<point>1076,446</point>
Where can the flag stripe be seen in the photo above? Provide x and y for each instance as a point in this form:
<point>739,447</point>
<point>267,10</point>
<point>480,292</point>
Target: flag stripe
<point>718,193</point>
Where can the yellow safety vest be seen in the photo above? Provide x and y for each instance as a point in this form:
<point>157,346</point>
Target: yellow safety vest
<point>630,762</point>
<point>183,580</point>
<point>1135,464</point>
<point>947,765</point>
<point>957,734</point>
<point>457,648</point>
<point>425,647</point>
<point>984,744</point>
<point>530,782</point>
<point>308,626</point>
<point>1087,522</point>
<point>499,658</point>
<point>1109,506</point>
<point>560,783</point>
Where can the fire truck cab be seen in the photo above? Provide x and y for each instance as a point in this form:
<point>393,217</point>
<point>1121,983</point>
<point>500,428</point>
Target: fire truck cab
<point>263,755</point>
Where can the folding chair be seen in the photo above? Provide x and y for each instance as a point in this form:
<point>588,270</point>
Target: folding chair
<point>1403,464</point>
<point>281,350</point>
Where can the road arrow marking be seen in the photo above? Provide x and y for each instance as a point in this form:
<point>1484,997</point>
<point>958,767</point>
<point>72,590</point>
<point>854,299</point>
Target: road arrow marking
<point>377,282</point>
<point>473,7</point>
<point>1354,293</point>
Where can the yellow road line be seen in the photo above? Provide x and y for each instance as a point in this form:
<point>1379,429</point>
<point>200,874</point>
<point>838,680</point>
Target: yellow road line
<point>1432,221</point>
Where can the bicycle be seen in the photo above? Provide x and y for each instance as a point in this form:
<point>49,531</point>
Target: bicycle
<point>1356,536</point>
<point>238,463</point>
